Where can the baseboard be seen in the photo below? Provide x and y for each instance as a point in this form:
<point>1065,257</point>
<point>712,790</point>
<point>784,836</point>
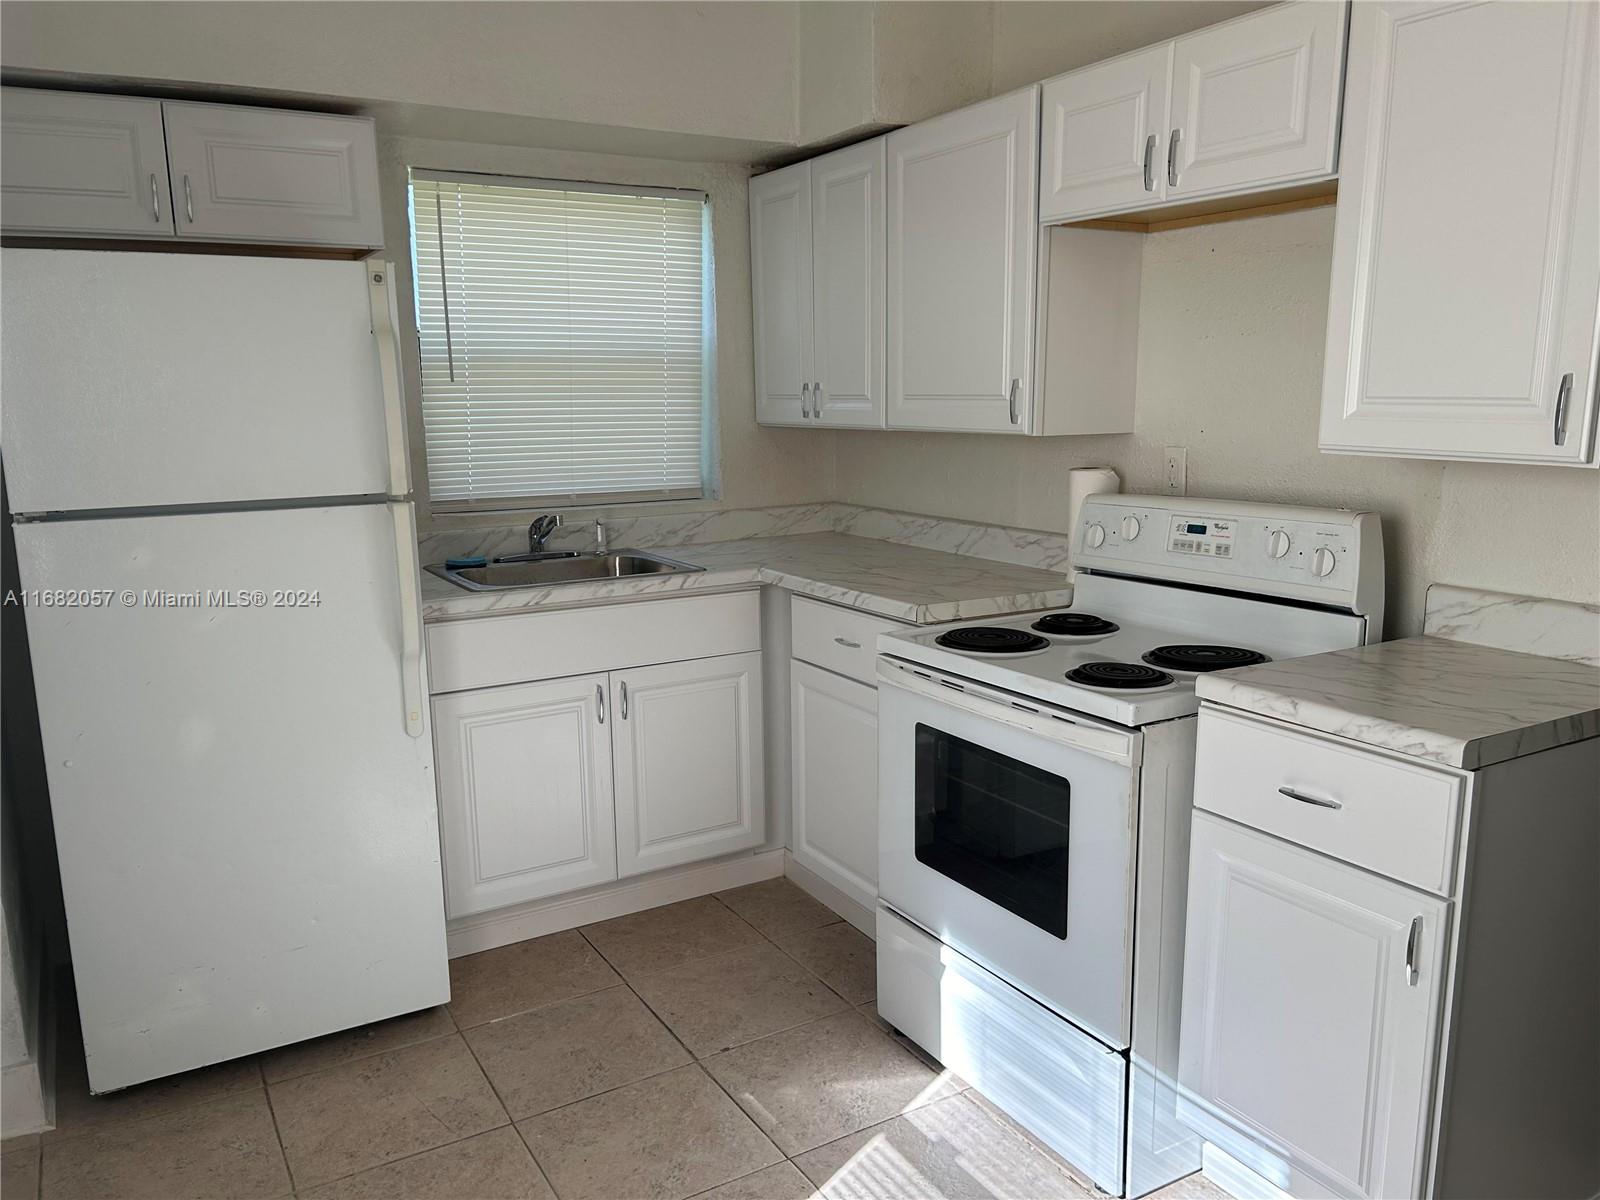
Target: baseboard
<point>1233,1177</point>
<point>503,926</point>
<point>820,889</point>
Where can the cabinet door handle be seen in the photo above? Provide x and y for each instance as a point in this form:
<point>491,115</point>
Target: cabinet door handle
<point>624,700</point>
<point>1172,158</point>
<point>1149,163</point>
<point>600,700</point>
<point>805,400</point>
<point>1563,394</point>
<point>1411,951</point>
<point>816,399</point>
<point>1012,399</point>
<point>155,200</point>
<point>1318,801</point>
<point>188,200</point>
<point>848,643</point>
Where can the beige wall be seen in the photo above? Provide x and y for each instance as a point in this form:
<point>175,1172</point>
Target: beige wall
<point>757,465</point>
<point>1230,366</point>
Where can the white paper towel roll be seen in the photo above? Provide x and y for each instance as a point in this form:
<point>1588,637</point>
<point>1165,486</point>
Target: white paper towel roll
<point>1083,482</point>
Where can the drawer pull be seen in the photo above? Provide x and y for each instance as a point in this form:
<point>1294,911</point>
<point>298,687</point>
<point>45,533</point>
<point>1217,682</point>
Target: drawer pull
<point>1318,801</point>
<point>1411,951</point>
<point>848,643</point>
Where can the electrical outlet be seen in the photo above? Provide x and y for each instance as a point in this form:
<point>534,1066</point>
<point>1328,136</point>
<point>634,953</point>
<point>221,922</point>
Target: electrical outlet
<point>1177,472</point>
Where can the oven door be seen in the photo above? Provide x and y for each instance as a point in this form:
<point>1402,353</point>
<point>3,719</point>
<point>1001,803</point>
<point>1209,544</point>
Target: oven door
<point>1009,833</point>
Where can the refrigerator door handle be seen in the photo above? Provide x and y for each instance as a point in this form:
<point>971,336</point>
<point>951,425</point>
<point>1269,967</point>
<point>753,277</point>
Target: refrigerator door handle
<point>405,547</point>
<point>385,327</point>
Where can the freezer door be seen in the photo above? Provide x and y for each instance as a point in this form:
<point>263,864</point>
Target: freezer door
<point>247,828</point>
<point>136,379</point>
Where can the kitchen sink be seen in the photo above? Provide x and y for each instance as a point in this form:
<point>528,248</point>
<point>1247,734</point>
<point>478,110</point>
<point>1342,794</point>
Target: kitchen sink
<point>622,564</point>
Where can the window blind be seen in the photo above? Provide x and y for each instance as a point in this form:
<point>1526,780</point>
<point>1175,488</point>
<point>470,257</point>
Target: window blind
<point>563,340</point>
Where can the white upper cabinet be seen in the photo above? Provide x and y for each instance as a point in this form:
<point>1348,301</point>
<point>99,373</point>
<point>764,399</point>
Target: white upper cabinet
<point>1246,106</point>
<point>963,235</point>
<point>780,271</point>
<point>83,164</point>
<point>1466,255</point>
<point>524,792</point>
<point>686,740</point>
<point>264,175</point>
<point>1255,101</point>
<point>848,282</point>
<point>1105,130</point>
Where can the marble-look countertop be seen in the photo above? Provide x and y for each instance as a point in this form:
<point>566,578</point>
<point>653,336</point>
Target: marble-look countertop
<point>1433,698</point>
<point>908,583</point>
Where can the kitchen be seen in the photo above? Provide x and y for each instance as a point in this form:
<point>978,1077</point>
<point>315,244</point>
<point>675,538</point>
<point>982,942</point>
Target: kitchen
<point>584,873</point>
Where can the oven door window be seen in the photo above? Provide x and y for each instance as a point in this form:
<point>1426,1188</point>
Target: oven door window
<point>996,826</point>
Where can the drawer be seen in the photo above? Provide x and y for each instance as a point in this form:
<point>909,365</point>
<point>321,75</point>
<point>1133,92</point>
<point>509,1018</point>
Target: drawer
<point>837,639</point>
<point>1398,819</point>
<point>492,650</point>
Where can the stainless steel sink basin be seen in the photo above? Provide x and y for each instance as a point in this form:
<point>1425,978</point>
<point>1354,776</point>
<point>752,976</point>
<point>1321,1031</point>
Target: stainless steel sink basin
<point>622,564</point>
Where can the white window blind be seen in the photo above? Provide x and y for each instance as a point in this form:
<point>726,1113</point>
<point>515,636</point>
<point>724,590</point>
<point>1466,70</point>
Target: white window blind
<point>563,340</point>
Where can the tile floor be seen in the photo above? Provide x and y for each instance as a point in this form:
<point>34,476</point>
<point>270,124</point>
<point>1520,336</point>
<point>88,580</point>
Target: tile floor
<point>725,1047</point>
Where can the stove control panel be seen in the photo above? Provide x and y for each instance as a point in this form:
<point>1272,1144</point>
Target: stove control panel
<point>1330,556</point>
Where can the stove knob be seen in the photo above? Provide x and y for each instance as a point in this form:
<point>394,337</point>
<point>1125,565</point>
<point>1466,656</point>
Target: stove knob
<point>1095,535</point>
<point>1277,543</point>
<point>1130,528</point>
<point>1323,562</point>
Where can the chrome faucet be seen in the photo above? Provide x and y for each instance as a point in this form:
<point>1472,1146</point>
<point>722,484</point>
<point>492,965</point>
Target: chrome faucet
<point>540,529</point>
<point>599,536</point>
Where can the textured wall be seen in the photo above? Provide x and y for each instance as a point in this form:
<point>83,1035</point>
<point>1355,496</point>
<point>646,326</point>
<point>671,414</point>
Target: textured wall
<point>1230,365</point>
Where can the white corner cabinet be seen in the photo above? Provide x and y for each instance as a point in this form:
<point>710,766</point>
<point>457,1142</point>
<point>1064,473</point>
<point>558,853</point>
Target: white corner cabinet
<point>1381,965</point>
<point>630,741</point>
<point>833,745</point>
<point>817,269</point>
<point>1249,105</point>
<point>78,164</point>
<point>1462,316</point>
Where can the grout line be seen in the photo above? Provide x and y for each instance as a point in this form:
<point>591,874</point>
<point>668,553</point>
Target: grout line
<point>283,1151</point>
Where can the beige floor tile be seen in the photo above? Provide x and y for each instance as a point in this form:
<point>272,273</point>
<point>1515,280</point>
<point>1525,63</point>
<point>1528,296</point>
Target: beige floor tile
<point>19,1169</point>
<point>671,935</point>
<point>845,958</point>
<point>952,1150</point>
<point>869,1010</point>
<point>666,1138</point>
<point>492,1166</point>
<point>564,1052</point>
<point>378,1109</point>
<point>716,1003</point>
<point>225,1147</point>
<point>524,975</point>
<point>811,1085</point>
<point>1191,1187</point>
<point>321,1053</point>
<point>781,1181</point>
<point>79,1113</point>
<point>778,908</point>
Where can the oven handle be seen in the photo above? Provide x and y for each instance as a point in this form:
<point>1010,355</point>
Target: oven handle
<point>1115,745</point>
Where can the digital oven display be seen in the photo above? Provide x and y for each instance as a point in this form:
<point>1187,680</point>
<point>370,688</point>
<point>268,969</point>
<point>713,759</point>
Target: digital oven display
<point>1194,528</point>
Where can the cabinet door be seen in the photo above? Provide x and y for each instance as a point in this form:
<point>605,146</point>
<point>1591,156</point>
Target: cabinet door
<point>1255,101</point>
<point>963,236</point>
<point>1466,252</point>
<point>81,164</point>
<point>780,276</point>
<point>525,798</point>
<point>1105,130</point>
<point>265,175</point>
<point>1310,1008</point>
<point>687,747</point>
<point>834,762</point>
<point>847,229</point>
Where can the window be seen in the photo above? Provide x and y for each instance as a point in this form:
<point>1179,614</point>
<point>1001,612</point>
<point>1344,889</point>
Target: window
<point>565,339</point>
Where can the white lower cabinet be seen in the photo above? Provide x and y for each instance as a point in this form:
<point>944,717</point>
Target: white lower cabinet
<point>1310,1014</point>
<point>834,786</point>
<point>524,791</point>
<point>686,741</point>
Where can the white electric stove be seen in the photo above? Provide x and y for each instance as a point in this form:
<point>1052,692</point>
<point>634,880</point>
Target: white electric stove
<point>1035,779</point>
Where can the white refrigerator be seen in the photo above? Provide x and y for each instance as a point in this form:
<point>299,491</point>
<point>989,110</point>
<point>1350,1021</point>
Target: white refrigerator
<point>206,460</point>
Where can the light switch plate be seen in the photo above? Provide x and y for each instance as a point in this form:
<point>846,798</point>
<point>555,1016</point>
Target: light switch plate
<point>1177,471</point>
